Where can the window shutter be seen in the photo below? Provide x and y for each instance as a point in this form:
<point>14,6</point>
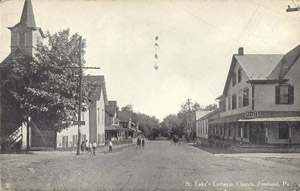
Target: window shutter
<point>291,94</point>
<point>277,92</point>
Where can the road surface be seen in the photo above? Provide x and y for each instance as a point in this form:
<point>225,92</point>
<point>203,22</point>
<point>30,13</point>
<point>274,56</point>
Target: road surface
<point>159,166</point>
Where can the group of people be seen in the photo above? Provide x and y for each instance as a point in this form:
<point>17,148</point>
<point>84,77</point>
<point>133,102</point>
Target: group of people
<point>175,139</point>
<point>89,147</point>
<point>140,143</point>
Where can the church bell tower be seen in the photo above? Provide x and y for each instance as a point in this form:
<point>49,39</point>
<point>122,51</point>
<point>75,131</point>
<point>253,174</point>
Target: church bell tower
<point>25,35</point>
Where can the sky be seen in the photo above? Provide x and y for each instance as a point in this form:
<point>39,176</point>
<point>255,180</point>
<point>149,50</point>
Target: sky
<point>196,42</point>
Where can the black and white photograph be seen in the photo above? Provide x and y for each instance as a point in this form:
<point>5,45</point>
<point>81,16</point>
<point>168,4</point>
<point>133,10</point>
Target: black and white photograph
<point>150,95</point>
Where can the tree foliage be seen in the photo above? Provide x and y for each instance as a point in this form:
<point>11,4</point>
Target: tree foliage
<point>44,87</point>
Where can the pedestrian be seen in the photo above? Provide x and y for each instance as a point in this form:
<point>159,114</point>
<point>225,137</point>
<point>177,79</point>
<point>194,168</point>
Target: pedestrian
<point>143,143</point>
<point>138,142</point>
<point>94,147</point>
<point>110,145</point>
<point>83,146</point>
<point>90,148</point>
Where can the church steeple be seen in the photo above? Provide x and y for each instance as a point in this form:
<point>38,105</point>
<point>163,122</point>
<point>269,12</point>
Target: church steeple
<point>25,35</point>
<point>27,17</point>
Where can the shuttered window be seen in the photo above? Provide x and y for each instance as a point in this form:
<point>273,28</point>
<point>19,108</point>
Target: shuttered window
<point>284,94</point>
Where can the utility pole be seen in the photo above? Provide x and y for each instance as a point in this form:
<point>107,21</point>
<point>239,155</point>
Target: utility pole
<point>80,99</point>
<point>79,122</point>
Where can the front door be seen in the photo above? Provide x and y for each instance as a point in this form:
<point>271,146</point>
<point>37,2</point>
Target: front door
<point>257,133</point>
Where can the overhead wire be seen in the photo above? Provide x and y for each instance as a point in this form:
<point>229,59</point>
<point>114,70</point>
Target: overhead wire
<point>218,30</point>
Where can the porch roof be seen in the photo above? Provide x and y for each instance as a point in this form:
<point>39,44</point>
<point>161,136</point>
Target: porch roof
<point>296,118</point>
<point>113,128</point>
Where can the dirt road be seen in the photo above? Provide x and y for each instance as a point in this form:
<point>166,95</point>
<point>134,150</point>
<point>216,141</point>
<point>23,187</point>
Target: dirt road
<point>159,166</point>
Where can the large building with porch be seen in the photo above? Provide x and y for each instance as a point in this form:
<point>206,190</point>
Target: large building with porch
<point>260,102</point>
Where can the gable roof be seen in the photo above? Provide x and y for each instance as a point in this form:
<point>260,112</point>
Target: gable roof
<point>201,113</point>
<point>256,66</point>
<point>210,114</point>
<point>16,51</point>
<point>100,81</point>
<point>112,107</point>
<point>289,59</point>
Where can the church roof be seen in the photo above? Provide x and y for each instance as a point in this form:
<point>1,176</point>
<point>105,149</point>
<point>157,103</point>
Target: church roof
<point>27,17</point>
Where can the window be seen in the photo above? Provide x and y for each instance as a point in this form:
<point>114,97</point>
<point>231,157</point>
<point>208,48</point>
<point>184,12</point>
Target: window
<point>21,39</point>
<point>65,141</point>
<point>239,75</point>
<point>240,104</point>
<point>234,79</point>
<point>283,131</point>
<point>229,131</point>
<point>229,102</point>
<point>102,116</point>
<point>233,101</point>
<point>246,97</point>
<point>75,140</point>
<point>284,94</point>
<point>98,116</point>
<point>83,137</point>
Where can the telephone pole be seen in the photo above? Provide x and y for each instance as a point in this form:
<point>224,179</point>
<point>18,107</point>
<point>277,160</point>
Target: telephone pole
<point>79,122</point>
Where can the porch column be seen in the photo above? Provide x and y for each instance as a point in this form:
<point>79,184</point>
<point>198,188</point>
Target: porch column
<point>242,132</point>
<point>290,133</point>
<point>266,133</point>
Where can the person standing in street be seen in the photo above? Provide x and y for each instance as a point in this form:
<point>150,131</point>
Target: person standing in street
<point>90,148</point>
<point>83,146</point>
<point>143,142</point>
<point>94,147</point>
<point>110,145</point>
<point>138,142</point>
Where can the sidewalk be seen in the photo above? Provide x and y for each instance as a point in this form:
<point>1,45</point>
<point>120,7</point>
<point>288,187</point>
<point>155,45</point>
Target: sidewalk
<point>99,150</point>
<point>263,155</point>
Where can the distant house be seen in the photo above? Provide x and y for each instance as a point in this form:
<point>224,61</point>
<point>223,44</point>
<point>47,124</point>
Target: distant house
<point>126,123</point>
<point>203,132</point>
<point>260,104</point>
<point>94,117</point>
<point>112,129</point>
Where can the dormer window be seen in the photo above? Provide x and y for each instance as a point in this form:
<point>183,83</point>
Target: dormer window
<point>21,39</point>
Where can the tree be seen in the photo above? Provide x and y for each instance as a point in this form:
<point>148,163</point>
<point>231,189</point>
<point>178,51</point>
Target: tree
<point>210,107</point>
<point>127,108</point>
<point>172,126</point>
<point>44,87</point>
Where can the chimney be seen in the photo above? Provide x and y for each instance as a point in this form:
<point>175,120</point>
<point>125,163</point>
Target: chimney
<point>241,51</point>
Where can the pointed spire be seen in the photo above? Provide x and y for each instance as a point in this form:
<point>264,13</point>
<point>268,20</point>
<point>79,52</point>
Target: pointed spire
<point>27,17</point>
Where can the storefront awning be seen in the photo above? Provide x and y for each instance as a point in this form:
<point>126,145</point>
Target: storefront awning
<point>287,119</point>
